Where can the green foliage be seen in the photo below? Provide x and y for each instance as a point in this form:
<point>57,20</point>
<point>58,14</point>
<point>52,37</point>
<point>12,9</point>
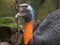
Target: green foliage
<point>7,13</point>
<point>46,8</point>
<point>8,21</point>
<point>7,8</point>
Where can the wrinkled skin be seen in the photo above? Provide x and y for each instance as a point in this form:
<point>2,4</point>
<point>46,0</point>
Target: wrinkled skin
<point>48,32</point>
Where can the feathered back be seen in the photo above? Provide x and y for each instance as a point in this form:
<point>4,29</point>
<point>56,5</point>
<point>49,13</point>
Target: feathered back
<point>48,32</point>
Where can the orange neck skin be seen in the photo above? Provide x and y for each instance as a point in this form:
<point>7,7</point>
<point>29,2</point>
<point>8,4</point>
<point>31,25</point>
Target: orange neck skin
<point>28,31</point>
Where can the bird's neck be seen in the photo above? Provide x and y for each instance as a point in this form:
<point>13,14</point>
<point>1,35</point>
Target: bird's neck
<point>28,31</point>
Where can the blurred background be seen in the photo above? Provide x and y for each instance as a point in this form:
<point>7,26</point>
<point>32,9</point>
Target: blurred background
<point>7,13</point>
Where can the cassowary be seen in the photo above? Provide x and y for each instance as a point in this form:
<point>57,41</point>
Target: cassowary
<point>47,33</point>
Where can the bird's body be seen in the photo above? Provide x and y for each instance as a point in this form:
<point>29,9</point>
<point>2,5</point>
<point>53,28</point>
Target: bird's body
<point>48,32</point>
